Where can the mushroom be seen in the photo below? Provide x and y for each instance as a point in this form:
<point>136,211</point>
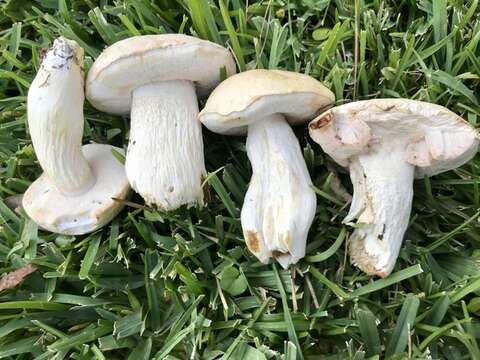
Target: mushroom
<point>386,143</point>
<point>75,193</point>
<point>154,78</point>
<point>280,204</point>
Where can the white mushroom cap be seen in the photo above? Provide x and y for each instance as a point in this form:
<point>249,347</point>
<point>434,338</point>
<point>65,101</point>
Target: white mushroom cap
<point>86,212</point>
<point>252,95</point>
<point>140,60</point>
<point>438,140</point>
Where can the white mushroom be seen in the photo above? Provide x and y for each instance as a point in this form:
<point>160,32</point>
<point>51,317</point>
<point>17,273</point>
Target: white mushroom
<point>280,205</point>
<point>154,78</point>
<point>385,143</point>
<point>74,194</point>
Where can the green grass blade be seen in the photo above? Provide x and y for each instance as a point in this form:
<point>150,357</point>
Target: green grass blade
<point>89,258</point>
<point>399,339</point>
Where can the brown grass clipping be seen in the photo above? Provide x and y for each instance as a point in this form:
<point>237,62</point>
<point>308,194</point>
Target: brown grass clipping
<point>12,279</point>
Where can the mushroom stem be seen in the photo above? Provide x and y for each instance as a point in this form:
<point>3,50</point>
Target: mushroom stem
<point>382,201</point>
<point>166,139</point>
<point>56,120</point>
<point>280,205</point>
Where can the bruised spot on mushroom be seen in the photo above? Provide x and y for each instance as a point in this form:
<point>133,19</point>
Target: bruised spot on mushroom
<point>252,241</point>
<point>382,273</point>
<point>277,254</point>
<point>171,188</point>
<point>322,122</point>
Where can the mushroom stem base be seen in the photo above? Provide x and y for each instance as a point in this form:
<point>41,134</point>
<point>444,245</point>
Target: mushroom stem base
<point>164,161</point>
<point>382,202</point>
<point>82,213</point>
<point>279,205</point>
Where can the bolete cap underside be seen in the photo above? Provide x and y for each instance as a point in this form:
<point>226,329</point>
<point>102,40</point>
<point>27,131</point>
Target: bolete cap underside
<point>435,139</point>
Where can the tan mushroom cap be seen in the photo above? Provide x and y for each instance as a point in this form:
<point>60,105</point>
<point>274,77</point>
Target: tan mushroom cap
<point>252,95</point>
<point>140,60</point>
<point>435,138</point>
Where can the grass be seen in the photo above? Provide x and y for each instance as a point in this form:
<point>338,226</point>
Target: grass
<point>183,285</point>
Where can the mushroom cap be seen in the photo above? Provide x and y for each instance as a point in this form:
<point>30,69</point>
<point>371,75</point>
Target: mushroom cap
<point>140,60</point>
<point>435,139</point>
<point>86,212</point>
<point>252,95</point>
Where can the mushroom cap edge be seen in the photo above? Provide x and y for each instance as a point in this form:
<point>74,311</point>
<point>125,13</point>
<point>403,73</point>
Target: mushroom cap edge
<point>245,97</point>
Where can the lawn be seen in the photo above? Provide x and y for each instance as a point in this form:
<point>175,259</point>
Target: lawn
<point>182,285</point>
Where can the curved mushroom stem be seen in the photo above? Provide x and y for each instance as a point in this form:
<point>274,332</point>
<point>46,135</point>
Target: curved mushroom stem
<point>56,121</point>
<point>164,162</point>
<point>382,201</point>
<point>75,193</point>
<point>280,205</point>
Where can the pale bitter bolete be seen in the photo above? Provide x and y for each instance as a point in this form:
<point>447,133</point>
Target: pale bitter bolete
<point>280,204</point>
<point>385,144</point>
<point>74,194</point>
<point>154,78</point>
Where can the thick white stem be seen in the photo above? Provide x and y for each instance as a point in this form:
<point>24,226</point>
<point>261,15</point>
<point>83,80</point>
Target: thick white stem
<point>165,162</point>
<point>279,206</point>
<point>382,202</point>
<point>55,118</point>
